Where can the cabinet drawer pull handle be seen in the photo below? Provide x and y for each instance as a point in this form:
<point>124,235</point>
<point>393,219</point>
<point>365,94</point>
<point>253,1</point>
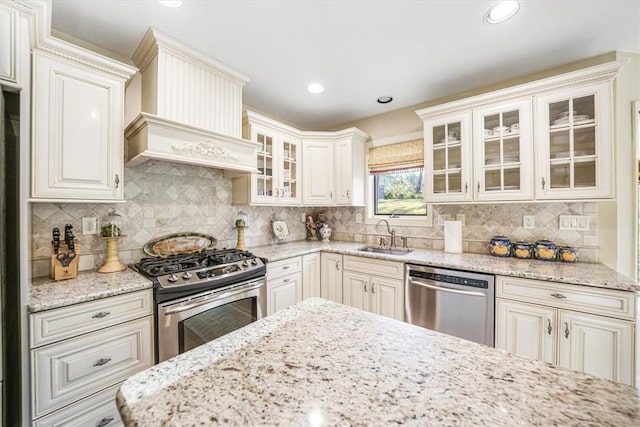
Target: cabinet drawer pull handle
<point>549,329</point>
<point>478,186</point>
<point>559,296</point>
<point>373,287</point>
<point>286,267</point>
<point>365,286</point>
<point>277,192</point>
<point>543,182</point>
<point>282,192</point>
<point>347,194</point>
<point>338,265</point>
<point>102,361</point>
<point>100,315</point>
<point>117,181</point>
<point>466,187</point>
<point>566,330</point>
<point>104,422</point>
<point>286,280</point>
<point>331,194</point>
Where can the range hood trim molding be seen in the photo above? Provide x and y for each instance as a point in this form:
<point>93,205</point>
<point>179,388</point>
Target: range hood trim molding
<point>153,137</point>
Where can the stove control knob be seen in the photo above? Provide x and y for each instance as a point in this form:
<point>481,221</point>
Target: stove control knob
<point>245,264</point>
<point>172,278</point>
<point>186,275</point>
<point>254,261</point>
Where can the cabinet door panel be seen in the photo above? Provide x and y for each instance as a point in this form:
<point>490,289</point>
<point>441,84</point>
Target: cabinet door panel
<point>331,277</point>
<point>78,139</point>
<point>387,296</point>
<point>526,329</point>
<point>283,292</point>
<point>357,288</point>
<point>597,345</point>
<point>318,167</point>
<point>311,275</point>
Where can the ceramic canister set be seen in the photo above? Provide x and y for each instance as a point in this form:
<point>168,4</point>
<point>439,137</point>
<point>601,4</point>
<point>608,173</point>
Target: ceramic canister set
<point>544,250</point>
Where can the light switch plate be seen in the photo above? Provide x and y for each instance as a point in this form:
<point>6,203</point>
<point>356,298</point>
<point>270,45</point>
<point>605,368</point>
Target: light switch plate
<point>573,222</point>
<point>529,222</point>
<point>358,217</point>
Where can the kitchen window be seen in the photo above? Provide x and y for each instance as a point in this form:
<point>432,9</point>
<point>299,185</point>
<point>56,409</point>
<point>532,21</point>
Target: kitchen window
<point>396,181</point>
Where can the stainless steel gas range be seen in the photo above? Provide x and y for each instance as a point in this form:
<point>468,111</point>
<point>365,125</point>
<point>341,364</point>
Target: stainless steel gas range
<point>202,296</point>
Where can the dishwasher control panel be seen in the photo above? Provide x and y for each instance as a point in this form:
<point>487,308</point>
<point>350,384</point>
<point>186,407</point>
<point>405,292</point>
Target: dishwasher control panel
<point>446,278</point>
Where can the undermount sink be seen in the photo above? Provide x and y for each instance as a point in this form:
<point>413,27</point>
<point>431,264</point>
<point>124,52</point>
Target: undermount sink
<point>385,250</point>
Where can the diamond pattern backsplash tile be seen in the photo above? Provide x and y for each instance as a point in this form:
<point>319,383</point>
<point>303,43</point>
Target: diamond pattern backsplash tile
<point>164,198</point>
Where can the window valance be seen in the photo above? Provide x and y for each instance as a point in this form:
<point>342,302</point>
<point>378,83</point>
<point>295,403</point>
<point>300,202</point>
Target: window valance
<point>396,157</point>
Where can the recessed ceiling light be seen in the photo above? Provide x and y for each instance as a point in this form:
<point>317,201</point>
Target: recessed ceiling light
<point>315,88</point>
<point>501,12</point>
<point>385,99</point>
<point>171,3</point>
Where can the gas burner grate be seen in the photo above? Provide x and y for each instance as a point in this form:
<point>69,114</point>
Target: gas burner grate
<point>156,267</point>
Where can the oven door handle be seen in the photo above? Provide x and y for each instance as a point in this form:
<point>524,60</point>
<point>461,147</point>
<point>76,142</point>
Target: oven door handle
<point>451,290</point>
<point>198,303</point>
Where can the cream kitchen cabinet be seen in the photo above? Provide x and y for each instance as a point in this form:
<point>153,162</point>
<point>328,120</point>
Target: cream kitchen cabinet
<point>284,284</point>
<point>78,114</point>
<point>331,276</point>
<point>374,285</point>
<point>549,139</point>
<point>575,143</point>
<point>279,164</point>
<point>448,158</point>
<point>577,327</point>
<point>334,168</point>
<point>8,44</point>
<point>503,151</point>
<point>311,275</point>
<point>80,354</point>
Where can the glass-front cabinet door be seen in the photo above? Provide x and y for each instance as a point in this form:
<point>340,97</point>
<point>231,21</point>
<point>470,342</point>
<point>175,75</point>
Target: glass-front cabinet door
<point>503,153</point>
<point>448,158</point>
<point>264,182</point>
<point>575,143</point>
<point>289,179</point>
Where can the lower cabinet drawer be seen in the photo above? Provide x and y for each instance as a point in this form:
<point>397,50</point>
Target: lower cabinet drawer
<point>392,269</point>
<point>284,267</point>
<point>99,410</point>
<point>76,368</point>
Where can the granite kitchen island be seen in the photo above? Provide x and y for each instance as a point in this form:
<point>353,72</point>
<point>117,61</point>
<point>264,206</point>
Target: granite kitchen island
<point>322,363</point>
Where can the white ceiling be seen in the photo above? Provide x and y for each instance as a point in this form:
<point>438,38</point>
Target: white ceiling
<point>359,50</point>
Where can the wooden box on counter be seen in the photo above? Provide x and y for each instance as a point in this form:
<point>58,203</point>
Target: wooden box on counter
<point>64,264</point>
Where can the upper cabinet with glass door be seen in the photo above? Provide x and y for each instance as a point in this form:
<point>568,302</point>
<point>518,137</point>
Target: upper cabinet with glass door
<point>575,143</point>
<point>448,158</point>
<point>503,151</point>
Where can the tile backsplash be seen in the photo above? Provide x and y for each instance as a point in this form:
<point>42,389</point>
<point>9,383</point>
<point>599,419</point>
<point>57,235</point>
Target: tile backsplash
<point>164,198</point>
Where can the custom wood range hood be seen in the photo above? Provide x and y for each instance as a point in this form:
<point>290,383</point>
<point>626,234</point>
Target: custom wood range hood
<point>190,109</point>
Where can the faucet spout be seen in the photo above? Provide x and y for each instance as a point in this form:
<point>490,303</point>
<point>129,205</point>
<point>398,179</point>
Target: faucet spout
<point>390,230</point>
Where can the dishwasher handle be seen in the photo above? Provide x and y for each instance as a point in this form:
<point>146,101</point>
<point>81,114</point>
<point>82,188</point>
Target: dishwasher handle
<point>445,289</point>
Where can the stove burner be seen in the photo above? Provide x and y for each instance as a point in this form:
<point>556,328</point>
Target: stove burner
<point>156,267</point>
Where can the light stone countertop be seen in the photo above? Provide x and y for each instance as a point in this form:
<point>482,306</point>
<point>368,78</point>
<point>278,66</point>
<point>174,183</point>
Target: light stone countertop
<point>88,286</point>
<point>322,363</point>
<point>580,273</point>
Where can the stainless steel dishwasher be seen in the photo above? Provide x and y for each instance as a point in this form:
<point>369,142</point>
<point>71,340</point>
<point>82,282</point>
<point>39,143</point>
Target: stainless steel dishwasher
<point>454,302</point>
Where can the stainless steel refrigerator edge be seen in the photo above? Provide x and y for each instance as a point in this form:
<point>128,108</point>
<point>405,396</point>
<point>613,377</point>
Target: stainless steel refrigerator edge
<point>453,302</point>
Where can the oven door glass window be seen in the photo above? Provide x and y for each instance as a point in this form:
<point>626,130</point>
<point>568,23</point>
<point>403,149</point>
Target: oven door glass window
<point>216,322</point>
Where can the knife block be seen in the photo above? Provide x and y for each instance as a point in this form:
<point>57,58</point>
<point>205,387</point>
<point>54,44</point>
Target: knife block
<point>60,272</point>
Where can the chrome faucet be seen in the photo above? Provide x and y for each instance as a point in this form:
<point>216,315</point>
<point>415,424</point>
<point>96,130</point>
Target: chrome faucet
<point>390,231</point>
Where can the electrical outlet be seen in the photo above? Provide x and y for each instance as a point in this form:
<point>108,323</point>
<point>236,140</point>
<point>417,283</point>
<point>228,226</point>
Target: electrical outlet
<point>89,225</point>
<point>358,217</point>
<point>529,222</point>
<point>303,217</point>
<point>460,217</point>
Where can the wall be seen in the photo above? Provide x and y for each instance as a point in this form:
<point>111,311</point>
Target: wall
<point>164,198</point>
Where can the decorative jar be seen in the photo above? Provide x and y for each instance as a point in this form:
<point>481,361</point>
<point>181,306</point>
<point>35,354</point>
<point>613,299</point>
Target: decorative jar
<point>325,232</point>
<point>522,250</point>
<point>500,246</point>
<point>567,254</point>
<point>545,250</point>
<point>111,224</point>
